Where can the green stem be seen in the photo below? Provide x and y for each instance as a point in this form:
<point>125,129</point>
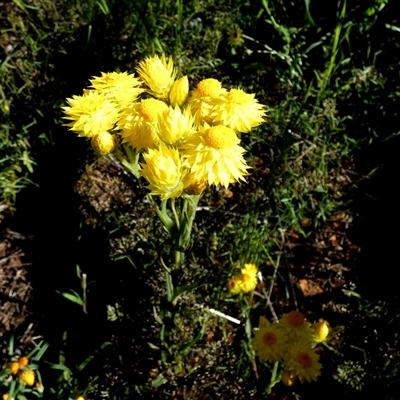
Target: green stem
<point>188,214</point>
<point>133,169</point>
<point>274,380</point>
<point>335,45</point>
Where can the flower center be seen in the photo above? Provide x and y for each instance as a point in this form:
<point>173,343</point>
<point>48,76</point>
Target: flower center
<point>221,137</point>
<point>295,318</point>
<point>150,109</point>
<point>304,359</point>
<point>246,277</point>
<point>209,87</point>
<point>238,96</point>
<point>269,339</point>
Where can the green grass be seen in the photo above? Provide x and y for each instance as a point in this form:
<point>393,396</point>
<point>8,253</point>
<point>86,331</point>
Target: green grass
<point>330,81</point>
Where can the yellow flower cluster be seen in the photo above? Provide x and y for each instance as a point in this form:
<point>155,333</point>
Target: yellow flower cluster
<point>189,138</point>
<point>244,282</point>
<point>291,341</point>
<point>26,375</point>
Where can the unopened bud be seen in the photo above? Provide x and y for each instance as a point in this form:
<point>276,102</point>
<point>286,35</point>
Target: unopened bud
<point>321,331</point>
<point>14,368</point>
<point>288,379</point>
<point>104,143</point>
<point>179,91</point>
<point>23,361</point>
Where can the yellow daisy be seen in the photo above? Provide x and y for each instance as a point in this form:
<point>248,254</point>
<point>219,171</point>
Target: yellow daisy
<point>164,171</point>
<point>235,36</point>
<point>269,342</point>
<point>296,327</point>
<point>175,126</point>
<point>91,113</point>
<point>213,154</point>
<point>234,284</point>
<point>303,362</point>
<point>121,87</point>
<point>203,99</point>
<point>138,123</point>
<point>158,74</point>
<point>249,278</point>
<point>238,110</point>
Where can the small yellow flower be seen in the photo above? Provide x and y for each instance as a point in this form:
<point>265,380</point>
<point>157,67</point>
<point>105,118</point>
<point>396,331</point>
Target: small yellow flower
<point>235,36</point>
<point>14,368</point>
<point>164,171</point>
<point>80,398</point>
<point>269,342</point>
<point>91,113</point>
<point>159,74</point>
<point>249,278</point>
<point>27,377</point>
<point>121,87</point>
<point>5,396</point>
<point>214,155</point>
<point>238,110</point>
<point>234,284</point>
<point>104,143</point>
<point>303,362</point>
<point>139,123</point>
<point>321,331</point>
<point>179,91</point>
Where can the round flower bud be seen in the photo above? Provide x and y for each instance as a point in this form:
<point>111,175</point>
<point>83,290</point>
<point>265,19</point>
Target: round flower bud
<point>288,379</point>
<point>14,368</point>
<point>28,377</point>
<point>104,143</point>
<point>179,91</point>
<point>23,361</point>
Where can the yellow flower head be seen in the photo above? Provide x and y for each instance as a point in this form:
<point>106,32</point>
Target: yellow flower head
<point>296,327</point>
<point>159,75</point>
<point>91,113</point>
<point>104,143</point>
<point>175,126</point>
<point>139,123</point>
<point>164,171</point>
<point>321,331</point>
<point>179,91</point>
<point>238,110</point>
<point>269,342</point>
<point>235,36</point>
<point>203,99</point>
<point>303,362</point>
<point>27,377</point>
<point>121,87</point>
<point>214,155</point>
<point>5,396</point>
